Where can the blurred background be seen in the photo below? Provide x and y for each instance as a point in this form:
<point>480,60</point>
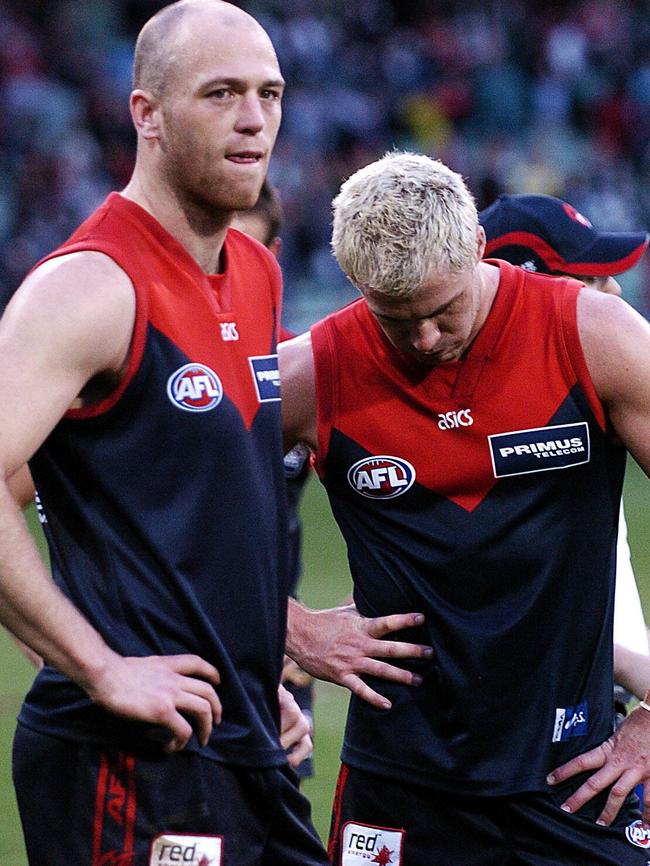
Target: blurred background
<point>517,96</point>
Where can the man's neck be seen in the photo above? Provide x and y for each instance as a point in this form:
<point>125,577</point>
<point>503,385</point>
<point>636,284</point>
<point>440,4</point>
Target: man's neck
<point>488,277</point>
<point>201,234</point>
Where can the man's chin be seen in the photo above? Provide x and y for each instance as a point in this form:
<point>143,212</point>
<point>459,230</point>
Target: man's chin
<point>434,359</point>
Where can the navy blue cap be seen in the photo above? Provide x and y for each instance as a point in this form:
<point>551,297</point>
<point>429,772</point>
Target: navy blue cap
<point>543,233</point>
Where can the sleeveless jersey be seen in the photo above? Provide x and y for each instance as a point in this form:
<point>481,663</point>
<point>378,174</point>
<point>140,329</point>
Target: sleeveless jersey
<point>165,505</point>
<point>483,493</point>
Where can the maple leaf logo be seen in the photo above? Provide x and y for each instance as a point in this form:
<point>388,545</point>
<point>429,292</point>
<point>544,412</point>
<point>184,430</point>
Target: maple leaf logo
<point>204,861</point>
<point>383,858</point>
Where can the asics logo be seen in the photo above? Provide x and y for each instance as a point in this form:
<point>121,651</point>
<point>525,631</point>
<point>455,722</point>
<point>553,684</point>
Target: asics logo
<point>451,420</point>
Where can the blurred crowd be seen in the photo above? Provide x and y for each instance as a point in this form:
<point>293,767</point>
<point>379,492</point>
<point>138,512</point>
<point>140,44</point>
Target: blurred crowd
<point>518,96</point>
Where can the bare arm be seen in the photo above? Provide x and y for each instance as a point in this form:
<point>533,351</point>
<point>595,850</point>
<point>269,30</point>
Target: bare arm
<point>72,319</point>
<point>298,392</point>
<point>632,670</point>
<point>338,644</point>
<point>616,343</point>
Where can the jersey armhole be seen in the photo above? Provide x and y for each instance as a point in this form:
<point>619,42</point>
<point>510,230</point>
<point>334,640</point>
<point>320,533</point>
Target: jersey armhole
<point>325,384</point>
<point>136,349</point>
<point>573,357</point>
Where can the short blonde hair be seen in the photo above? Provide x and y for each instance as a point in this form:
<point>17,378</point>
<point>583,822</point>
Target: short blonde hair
<point>400,218</point>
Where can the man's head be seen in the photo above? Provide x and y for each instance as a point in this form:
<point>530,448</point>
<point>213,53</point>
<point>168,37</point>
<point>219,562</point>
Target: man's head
<point>400,218</point>
<point>206,103</point>
<point>406,234</point>
<point>545,234</point>
<point>263,220</point>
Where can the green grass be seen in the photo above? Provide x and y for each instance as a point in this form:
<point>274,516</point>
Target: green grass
<point>326,582</point>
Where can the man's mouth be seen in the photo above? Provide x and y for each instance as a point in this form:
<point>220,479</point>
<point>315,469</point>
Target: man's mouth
<point>245,157</point>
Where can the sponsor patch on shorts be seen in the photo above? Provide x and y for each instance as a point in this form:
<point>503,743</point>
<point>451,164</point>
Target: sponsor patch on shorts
<point>539,449</point>
<point>638,835</point>
<point>364,843</point>
<point>184,849</point>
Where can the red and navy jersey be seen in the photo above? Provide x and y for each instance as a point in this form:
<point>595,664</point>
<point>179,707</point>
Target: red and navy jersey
<point>484,493</point>
<point>165,503</point>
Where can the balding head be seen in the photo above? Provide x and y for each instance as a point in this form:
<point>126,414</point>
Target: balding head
<point>164,41</point>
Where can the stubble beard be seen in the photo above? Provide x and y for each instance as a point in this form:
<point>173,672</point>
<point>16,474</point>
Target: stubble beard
<point>206,199</point>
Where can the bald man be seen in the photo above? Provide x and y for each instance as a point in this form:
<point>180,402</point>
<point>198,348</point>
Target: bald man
<point>147,345</point>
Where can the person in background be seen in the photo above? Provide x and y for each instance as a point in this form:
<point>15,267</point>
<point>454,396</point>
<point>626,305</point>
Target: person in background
<point>546,235</point>
<point>263,222</point>
<point>470,420</point>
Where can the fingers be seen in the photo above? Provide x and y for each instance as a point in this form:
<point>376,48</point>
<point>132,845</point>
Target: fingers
<point>181,730</point>
<point>295,729</point>
<point>193,666</point>
<point>592,760</point>
<point>382,625</point>
<point>362,690</point>
<point>384,671</point>
<point>300,751</point>
<point>617,796</point>
<point>607,774</point>
<point>201,711</point>
<point>392,649</point>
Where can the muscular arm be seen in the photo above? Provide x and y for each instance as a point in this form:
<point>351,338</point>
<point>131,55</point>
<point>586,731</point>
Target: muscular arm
<point>616,343</point>
<point>71,320</point>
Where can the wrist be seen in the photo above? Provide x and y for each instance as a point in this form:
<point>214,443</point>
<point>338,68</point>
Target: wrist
<point>299,619</point>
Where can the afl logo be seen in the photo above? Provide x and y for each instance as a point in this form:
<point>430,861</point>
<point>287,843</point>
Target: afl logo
<point>637,834</point>
<point>381,477</point>
<point>195,388</point>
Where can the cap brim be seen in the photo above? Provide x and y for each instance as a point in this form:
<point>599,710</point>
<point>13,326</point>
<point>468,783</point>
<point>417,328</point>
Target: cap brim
<point>611,253</point>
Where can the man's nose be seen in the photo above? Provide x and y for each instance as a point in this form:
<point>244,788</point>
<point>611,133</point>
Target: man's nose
<point>425,335</point>
<point>251,115</point>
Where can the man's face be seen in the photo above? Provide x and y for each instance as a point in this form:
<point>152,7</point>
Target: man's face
<point>437,324</point>
<point>220,114</point>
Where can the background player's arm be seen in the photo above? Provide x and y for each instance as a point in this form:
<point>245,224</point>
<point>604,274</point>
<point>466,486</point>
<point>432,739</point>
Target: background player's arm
<point>72,319</point>
<point>296,363</point>
<point>337,644</point>
<point>631,670</point>
<point>616,344</point>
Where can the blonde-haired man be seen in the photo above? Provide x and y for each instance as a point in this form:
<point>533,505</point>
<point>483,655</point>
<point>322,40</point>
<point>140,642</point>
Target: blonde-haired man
<point>466,418</point>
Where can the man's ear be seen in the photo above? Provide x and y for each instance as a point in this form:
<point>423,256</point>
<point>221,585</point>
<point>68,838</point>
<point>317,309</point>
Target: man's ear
<point>480,242</point>
<point>145,113</point>
<point>275,246</point>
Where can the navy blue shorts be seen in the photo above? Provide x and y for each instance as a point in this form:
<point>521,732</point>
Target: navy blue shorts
<point>81,806</point>
<point>380,820</point>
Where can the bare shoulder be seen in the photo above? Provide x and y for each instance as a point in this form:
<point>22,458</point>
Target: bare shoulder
<point>616,342</point>
<point>296,363</point>
<point>296,353</point>
<point>83,299</point>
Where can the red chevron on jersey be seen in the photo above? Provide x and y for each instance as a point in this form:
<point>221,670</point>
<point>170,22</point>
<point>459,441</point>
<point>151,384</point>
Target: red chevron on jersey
<point>439,420</point>
<point>165,502</point>
<point>193,309</point>
<point>485,494</point>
